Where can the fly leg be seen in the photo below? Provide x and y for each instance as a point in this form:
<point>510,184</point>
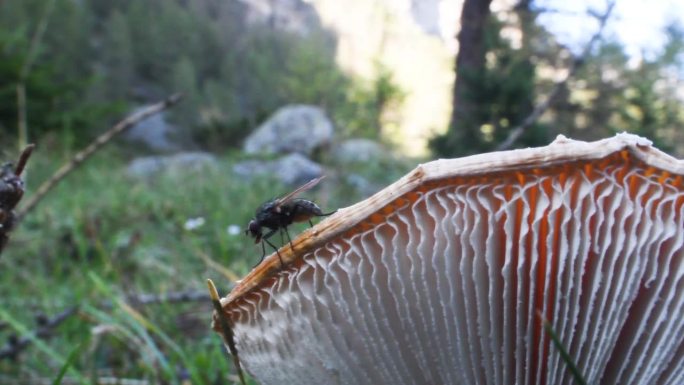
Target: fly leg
<point>276,250</point>
<point>263,254</point>
<point>263,248</point>
<point>284,229</point>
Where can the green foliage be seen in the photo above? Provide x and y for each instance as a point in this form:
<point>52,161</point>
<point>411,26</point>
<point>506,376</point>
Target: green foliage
<point>100,56</point>
<point>369,106</point>
<point>49,69</point>
<point>609,93</point>
<point>502,94</point>
<point>183,77</point>
<point>97,235</point>
<point>101,236</point>
<point>562,350</point>
<point>118,56</point>
<point>71,358</point>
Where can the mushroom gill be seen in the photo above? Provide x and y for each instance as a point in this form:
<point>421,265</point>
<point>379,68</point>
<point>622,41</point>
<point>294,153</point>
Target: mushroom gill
<point>439,278</point>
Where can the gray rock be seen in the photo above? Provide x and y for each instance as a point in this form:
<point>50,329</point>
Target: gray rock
<point>361,184</point>
<point>293,16</point>
<point>358,150</point>
<point>292,169</point>
<point>155,133</point>
<point>186,162</point>
<point>158,135</point>
<point>295,128</point>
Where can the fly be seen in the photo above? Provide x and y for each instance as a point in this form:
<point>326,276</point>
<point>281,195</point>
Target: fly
<point>277,214</point>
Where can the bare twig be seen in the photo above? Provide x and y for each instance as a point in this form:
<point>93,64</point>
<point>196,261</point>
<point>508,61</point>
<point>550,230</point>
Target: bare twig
<point>7,380</point>
<point>577,62</point>
<point>226,329</point>
<point>226,272</point>
<point>84,154</point>
<point>26,70</point>
<point>36,39</point>
<point>141,299</point>
<point>14,347</point>
<point>538,10</point>
<point>22,125</point>
<point>23,159</point>
<point>171,297</point>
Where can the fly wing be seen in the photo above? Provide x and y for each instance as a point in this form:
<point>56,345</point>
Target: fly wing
<point>298,191</point>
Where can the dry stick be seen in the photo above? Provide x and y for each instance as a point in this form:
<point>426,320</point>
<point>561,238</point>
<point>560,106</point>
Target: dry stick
<point>225,328</point>
<point>138,300</point>
<point>135,300</point>
<point>26,70</point>
<point>169,297</point>
<point>22,125</point>
<point>13,348</point>
<point>543,106</point>
<point>36,39</point>
<point>95,145</point>
<point>7,380</point>
<point>23,158</point>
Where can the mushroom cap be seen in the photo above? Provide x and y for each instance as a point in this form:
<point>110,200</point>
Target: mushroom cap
<point>440,277</point>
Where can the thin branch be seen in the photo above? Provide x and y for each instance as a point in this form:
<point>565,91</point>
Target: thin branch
<point>84,154</point>
<point>538,10</point>
<point>142,299</point>
<point>23,159</point>
<point>36,40</point>
<point>31,56</point>
<point>22,124</point>
<point>577,62</point>
<point>226,330</point>
<point>170,297</point>
<point>7,380</point>
<point>13,348</point>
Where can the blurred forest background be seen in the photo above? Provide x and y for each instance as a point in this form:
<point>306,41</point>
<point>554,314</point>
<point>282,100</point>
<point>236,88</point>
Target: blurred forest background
<point>105,279</point>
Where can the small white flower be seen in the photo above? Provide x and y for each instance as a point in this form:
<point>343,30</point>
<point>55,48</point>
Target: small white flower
<point>193,223</point>
<point>234,229</point>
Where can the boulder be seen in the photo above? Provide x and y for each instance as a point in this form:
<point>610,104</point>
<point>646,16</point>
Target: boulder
<point>292,16</point>
<point>292,169</point>
<point>294,128</point>
<point>155,133</point>
<point>362,184</point>
<point>358,150</point>
<point>185,162</point>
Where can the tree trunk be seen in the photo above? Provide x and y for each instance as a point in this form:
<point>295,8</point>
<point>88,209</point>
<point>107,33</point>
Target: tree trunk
<point>469,62</point>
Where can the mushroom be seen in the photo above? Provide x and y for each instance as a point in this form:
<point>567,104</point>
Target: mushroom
<point>440,278</point>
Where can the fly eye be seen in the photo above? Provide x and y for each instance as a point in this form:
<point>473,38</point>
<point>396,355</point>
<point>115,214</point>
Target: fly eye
<point>253,227</point>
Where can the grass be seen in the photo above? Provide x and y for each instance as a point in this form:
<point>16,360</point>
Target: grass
<point>101,236</point>
<point>562,350</point>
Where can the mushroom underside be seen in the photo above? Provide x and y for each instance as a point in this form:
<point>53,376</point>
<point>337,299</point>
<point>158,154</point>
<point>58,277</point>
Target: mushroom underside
<point>452,285</point>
